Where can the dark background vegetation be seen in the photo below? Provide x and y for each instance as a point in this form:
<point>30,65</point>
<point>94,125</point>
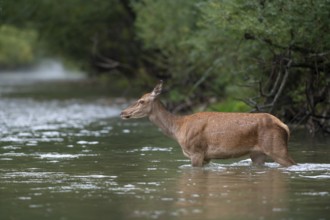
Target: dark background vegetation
<point>222,55</point>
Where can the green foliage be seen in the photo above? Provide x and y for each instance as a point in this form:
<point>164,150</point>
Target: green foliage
<point>230,105</point>
<point>16,46</point>
<point>281,22</point>
<point>79,30</point>
<point>191,52</point>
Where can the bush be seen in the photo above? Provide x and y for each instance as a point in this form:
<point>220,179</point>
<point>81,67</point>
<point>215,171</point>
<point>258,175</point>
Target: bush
<point>17,47</point>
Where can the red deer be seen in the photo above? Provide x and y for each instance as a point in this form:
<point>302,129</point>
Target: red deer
<point>217,135</point>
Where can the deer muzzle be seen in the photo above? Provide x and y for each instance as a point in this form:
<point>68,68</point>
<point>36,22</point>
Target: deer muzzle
<point>125,115</point>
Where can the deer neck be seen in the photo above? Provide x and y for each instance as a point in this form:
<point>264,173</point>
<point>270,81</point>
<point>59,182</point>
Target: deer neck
<point>166,121</point>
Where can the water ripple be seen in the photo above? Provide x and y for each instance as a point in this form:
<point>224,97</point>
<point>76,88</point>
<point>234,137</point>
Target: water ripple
<point>151,149</point>
<point>305,170</point>
<point>26,119</point>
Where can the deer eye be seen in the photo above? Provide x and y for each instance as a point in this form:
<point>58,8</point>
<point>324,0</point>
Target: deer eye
<point>141,102</point>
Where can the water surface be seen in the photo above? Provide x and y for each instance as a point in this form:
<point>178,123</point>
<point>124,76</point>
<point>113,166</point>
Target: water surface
<point>64,155</point>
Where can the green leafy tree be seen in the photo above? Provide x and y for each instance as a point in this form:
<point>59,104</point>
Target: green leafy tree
<point>98,34</point>
<point>188,52</point>
<point>280,49</point>
<point>16,47</point>
<point>295,76</point>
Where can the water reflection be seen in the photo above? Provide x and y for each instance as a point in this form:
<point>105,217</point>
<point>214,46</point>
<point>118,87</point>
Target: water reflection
<point>233,193</point>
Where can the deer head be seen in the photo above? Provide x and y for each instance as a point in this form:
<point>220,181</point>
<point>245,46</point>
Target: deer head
<point>143,106</point>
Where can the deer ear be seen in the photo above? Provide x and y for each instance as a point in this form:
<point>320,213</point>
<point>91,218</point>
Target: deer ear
<point>158,89</point>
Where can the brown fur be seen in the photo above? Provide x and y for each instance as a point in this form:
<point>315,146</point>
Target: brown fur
<point>215,135</point>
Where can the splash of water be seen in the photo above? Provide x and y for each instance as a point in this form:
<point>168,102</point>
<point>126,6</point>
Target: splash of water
<point>305,170</point>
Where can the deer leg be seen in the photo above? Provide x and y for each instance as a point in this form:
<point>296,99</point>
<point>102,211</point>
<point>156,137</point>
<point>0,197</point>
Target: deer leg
<point>197,160</point>
<point>206,161</point>
<point>281,156</point>
<point>275,146</point>
<point>258,158</point>
<point>283,159</point>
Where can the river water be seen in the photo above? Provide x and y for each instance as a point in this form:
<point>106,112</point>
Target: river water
<point>65,154</point>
